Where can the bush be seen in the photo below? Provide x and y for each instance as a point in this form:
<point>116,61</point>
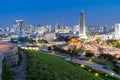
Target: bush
<point>106,56</point>
<point>6,73</point>
<point>98,40</point>
<point>116,69</point>
<point>20,56</point>
<point>59,50</point>
<point>89,53</point>
<point>49,48</point>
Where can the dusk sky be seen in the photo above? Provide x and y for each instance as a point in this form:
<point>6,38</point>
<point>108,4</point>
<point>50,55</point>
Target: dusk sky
<point>66,12</point>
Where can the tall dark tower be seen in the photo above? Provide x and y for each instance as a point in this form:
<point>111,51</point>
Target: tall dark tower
<point>82,24</point>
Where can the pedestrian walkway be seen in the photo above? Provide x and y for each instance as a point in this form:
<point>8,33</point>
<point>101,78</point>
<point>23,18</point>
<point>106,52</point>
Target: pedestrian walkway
<point>20,71</point>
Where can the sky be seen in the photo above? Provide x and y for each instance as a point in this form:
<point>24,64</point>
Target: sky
<point>65,12</point>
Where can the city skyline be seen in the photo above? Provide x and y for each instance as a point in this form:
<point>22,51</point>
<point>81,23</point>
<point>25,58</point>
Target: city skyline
<point>60,39</point>
<point>98,12</point>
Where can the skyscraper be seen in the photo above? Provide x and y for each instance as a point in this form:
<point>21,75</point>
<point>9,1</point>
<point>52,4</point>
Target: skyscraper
<point>82,25</point>
<point>102,29</point>
<point>117,31</point>
<point>19,24</point>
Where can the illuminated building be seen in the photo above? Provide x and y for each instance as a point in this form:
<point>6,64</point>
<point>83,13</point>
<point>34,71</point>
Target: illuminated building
<point>82,33</point>
<point>117,31</point>
<point>19,24</point>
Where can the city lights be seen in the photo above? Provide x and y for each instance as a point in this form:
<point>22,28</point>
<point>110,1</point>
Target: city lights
<point>82,65</point>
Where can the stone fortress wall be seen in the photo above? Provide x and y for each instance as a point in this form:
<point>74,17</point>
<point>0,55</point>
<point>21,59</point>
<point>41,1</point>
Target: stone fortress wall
<point>8,52</point>
<point>11,57</point>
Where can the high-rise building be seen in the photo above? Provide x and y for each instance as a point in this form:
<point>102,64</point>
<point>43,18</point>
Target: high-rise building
<point>7,29</point>
<point>49,28</point>
<point>19,24</point>
<point>102,29</point>
<point>30,28</point>
<point>82,25</point>
<point>75,28</point>
<point>117,31</point>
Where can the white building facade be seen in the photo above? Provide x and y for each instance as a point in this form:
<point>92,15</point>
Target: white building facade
<point>117,31</point>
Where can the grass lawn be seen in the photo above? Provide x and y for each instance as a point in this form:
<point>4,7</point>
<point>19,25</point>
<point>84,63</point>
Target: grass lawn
<point>107,63</point>
<point>47,67</point>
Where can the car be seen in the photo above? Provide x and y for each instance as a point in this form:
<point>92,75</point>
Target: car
<point>67,59</point>
<point>105,67</point>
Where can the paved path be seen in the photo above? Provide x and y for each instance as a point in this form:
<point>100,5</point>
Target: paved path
<point>92,65</point>
<point>96,67</point>
<point>20,71</point>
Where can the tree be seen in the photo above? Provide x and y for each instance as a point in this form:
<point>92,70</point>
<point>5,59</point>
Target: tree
<point>54,48</point>
<point>49,48</point>
<point>98,40</point>
<point>80,51</point>
<point>62,38</point>
<point>91,35</point>
<point>107,57</point>
<point>39,41</point>
<point>105,43</point>
<point>89,53</point>
<point>100,50</point>
<point>23,39</point>
<point>31,41</point>
<point>42,41</point>
<point>73,53</point>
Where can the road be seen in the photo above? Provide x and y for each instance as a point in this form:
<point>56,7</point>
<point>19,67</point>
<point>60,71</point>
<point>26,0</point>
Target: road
<point>92,45</point>
<point>92,65</point>
<point>95,66</point>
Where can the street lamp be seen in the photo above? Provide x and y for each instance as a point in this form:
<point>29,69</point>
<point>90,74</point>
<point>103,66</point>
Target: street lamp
<point>112,74</point>
<point>82,65</point>
<point>96,74</point>
<point>90,60</point>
